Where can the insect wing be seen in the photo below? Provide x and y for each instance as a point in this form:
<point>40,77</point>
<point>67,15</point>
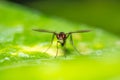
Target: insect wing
<point>42,30</point>
<point>80,31</point>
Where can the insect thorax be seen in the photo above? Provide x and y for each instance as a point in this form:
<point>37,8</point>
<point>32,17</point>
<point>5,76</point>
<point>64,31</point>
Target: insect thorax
<point>61,41</point>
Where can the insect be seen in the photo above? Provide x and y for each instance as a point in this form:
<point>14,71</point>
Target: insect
<point>62,37</point>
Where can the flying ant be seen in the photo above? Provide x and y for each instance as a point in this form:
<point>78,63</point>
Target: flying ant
<point>62,37</point>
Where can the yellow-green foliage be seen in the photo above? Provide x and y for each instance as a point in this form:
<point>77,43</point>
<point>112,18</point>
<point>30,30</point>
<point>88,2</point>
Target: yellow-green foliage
<point>22,54</point>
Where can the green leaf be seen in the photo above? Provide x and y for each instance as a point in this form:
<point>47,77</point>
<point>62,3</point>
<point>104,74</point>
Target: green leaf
<point>22,53</point>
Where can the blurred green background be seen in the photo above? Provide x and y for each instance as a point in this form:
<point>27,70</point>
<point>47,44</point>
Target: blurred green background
<point>100,13</point>
<point>21,49</point>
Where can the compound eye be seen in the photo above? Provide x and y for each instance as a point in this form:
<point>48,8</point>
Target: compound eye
<point>58,36</point>
<point>63,36</point>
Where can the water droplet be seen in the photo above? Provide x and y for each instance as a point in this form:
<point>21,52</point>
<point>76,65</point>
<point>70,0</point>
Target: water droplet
<point>99,52</point>
<point>6,58</point>
<point>21,54</point>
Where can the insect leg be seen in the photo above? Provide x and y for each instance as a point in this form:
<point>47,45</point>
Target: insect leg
<point>71,40</point>
<point>50,43</point>
<point>64,50</point>
<point>57,49</point>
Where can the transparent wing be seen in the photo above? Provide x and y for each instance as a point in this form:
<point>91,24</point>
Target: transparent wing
<point>80,31</point>
<point>42,30</point>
